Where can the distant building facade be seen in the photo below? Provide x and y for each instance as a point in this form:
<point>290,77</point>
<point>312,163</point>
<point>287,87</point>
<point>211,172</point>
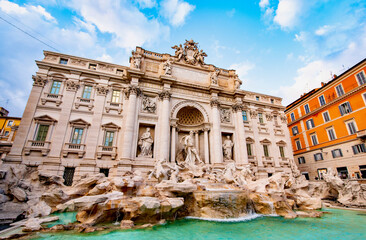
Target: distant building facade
<point>328,126</point>
<point>8,129</point>
<point>86,116</point>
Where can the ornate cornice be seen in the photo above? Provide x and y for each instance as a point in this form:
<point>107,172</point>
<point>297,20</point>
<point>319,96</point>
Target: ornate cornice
<point>165,95</point>
<point>39,81</point>
<point>72,85</point>
<point>215,103</point>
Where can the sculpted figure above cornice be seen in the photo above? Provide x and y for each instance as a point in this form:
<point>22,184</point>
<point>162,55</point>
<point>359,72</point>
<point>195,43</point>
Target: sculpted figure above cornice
<point>214,76</point>
<point>190,53</point>
<point>136,60</point>
<point>39,81</point>
<point>167,66</point>
<point>72,85</point>
<point>165,95</point>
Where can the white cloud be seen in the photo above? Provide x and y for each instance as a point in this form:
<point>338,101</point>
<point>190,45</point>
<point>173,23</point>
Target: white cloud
<point>314,72</point>
<point>146,3</point>
<point>242,69</point>
<point>176,11</point>
<point>10,7</point>
<point>287,13</point>
<point>323,30</point>
<point>105,58</point>
<point>301,37</point>
<point>43,12</point>
<point>263,3</point>
<point>129,27</point>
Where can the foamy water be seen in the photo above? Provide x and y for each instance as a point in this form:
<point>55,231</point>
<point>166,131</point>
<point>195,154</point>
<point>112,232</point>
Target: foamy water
<point>240,219</point>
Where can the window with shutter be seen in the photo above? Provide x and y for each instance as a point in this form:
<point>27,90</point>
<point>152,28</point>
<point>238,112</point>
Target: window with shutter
<point>361,78</point>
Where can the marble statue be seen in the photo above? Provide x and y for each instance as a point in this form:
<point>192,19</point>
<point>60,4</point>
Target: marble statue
<point>179,51</point>
<point>145,144</point>
<point>228,146</point>
<point>237,82</point>
<point>245,176</point>
<point>214,76</point>
<point>148,105</point>
<point>200,56</point>
<point>136,57</point>
<point>167,66</point>
<point>191,152</point>
<point>159,172</point>
<point>175,171</point>
<point>225,115</point>
<point>228,173</point>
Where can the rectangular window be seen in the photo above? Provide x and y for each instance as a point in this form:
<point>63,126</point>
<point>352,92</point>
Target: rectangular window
<point>69,175</point>
<point>359,148</point>
<point>307,109</point>
<point>257,98</point>
<point>115,96</point>
<point>345,108</point>
<point>77,135</point>
<point>331,134</point>
<point>310,124</point>
<point>249,149</point>
<point>321,171</point>
<point>326,117</point>
<point>93,66</point>
<point>292,117</point>
<point>301,160</point>
<point>364,97</point>
<point>63,61</point>
<point>87,92</point>
<point>108,138</point>
<point>340,91</point>
<point>10,123</point>
<point>260,117</point>
<point>55,88</point>
<point>265,150</point>
<point>119,72</point>
<point>295,130</point>
<point>282,151</point>
<point>272,101</point>
<point>321,100</point>
<point>361,78</point>
<point>298,144</point>
<point>314,139</point>
<point>318,156</point>
<point>6,133</point>
<point>245,116</point>
<point>42,132</point>
<point>351,127</point>
<point>337,153</point>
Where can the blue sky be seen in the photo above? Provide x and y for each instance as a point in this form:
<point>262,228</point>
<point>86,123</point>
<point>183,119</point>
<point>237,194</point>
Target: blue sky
<point>278,47</point>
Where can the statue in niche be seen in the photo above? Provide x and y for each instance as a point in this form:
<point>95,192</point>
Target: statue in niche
<point>228,146</point>
<point>237,82</point>
<point>225,115</point>
<point>214,77</point>
<point>145,144</point>
<point>148,105</point>
<point>167,66</point>
<point>191,152</point>
<point>136,57</point>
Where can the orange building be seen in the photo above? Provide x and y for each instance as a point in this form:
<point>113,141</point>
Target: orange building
<point>328,126</point>
<point>8,128</point>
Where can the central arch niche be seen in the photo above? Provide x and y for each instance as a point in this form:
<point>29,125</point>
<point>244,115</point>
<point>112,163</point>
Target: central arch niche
<point>190,116</point>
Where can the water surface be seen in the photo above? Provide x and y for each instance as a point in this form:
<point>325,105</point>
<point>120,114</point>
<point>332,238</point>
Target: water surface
<point>340,224</point>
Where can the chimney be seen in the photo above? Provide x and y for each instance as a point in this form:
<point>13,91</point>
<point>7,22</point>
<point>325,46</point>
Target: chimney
<point>322,83</point>
<point>335,76</point>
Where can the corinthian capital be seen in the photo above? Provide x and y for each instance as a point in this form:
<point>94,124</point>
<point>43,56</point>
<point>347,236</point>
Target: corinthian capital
<point>237,107</point>
<point>215,103</point>
<point>133,89</point>
<point>165,95</point>
<point>39,81</point>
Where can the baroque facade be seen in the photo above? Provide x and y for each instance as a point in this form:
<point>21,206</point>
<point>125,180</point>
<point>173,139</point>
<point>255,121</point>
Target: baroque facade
<point>328,127</point>
<point>86,116</point>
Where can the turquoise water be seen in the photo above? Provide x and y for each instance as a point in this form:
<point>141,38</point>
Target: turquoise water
<point>340,224</point>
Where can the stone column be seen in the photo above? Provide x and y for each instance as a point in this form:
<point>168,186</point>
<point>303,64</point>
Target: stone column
<point>172,150</point>
<point>130,121</point>
<point>165,126</point>
<point>28,114</point>
<point>240,145</point>
<point>216,132</point>
<point>205,138</point>
<point>196,140</point>
<point>258,146</point>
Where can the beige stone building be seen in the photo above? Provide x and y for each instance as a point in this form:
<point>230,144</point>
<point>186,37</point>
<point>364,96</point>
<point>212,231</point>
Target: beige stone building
<point>87,116</point>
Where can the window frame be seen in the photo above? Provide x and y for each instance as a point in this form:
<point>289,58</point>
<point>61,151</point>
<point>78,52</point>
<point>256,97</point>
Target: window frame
<point>341,87</point>
<point>298,144</point>
<point>318,154</point>
<point>297,130</point>
<point>308,108</point>
<point>343,106</point>
<point>364,97</point>
<point>113,97</point>
<point>265,150</point>
<point>312,124</point>
<point>257,98</point>
<point>64,61</point>
<point>105,138</point>
<point>301,160</point>
<point>292,117</point>
<point>79,136</point>
<point>10,123</point>
<point>312,139</point>
<point>326,112</point>
<point>244,115</point>
<point>92,66</point>
<point>338,150</point>
<point>354,125</point>
<point>361,73</point>
<point>320,98</point>
<point>249,149</point>
<point>361,148</point>
<point>333,132</point>
<point>260,118</point>
<point>37,135</point>
<point>282,151</point>
<point>55,89</point>
<point>87,94</point>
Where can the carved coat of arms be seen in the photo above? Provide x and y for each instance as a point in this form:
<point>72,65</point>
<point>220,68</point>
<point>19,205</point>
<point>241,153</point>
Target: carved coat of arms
<point>190,53</point>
